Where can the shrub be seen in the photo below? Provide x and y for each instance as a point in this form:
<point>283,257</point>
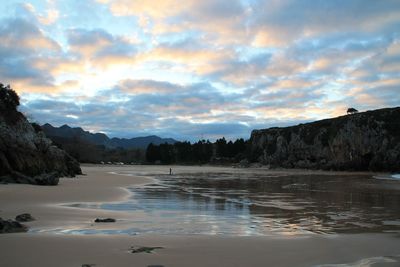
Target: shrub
<point>9,99</point>
<point>352,111</point>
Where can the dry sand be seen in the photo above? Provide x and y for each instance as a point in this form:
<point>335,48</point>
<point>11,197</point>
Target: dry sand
<point>40,249</point>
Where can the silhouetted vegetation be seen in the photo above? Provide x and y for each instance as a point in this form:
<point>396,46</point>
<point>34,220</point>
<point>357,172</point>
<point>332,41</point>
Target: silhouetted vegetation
<point>200,152</point>
<point>9,98</point>
<point>87,152</point>
<point>36,127</point>
<point>352,111</point>
<point>9,101</point>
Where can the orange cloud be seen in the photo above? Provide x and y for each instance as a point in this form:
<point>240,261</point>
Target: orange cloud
<point>270,37</point>
<point>51,17</point>
<point>153,8</point>
<point>33,41</point>
<point>200,60</point>
<point>282,65</point>
<point>23,86</point>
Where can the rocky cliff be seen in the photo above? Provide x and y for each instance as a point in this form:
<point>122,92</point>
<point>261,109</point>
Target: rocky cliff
<point>362,141</point>
<point>26,155</point>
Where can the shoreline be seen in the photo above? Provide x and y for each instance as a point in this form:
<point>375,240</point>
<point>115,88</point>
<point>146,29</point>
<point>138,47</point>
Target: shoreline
<point>99,186</point>
<point>195,251</point>
<point>47,203</point>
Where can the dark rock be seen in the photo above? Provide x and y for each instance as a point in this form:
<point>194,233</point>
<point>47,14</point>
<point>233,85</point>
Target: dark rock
<point>26,155</point>
<point>25,217</point>
<point>42,179</point>
<point>106,220</point>
<point>10,226</point>
<point>47,179</point>
<point>244,163</point>
<point>88,265</point>
<point>143,249</point>
<point>363,141</point>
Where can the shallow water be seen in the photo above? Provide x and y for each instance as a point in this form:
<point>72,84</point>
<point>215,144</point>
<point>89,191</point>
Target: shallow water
<point>386,261</point>
<point>250,204</point>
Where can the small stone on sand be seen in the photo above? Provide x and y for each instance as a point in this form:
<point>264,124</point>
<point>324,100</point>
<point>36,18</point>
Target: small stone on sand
<point>106,220</point>
<point>25,217</point>
<point>143,249</point>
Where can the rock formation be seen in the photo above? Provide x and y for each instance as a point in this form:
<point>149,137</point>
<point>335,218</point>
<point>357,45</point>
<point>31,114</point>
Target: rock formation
<point>26,155</point>
<point>25,217</point>
<point>106,220</point>
<point>10,226</point>
<point>363,141</point>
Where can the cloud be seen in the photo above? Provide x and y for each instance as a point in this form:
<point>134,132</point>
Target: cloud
<point>22,44</point>
<point>193,55</point>
<point>22,37</point>
<point>146,112</point>
<point>46,17</point>
<point>261,23</point>
<point>100,47</point>
<point>148,87</point>
<point>139,116</point>
<point>180,111</point>
<point>33,62</point>
<point>51,17</point>
<point>284,22</point>
<point>153,8</point>
<point>181,68</point>
<point>212,17</point>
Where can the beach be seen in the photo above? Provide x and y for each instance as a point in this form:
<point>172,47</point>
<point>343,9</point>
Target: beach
<point>48,204</point>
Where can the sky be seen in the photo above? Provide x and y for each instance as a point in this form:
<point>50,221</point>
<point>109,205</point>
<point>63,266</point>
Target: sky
<point>198,69</point>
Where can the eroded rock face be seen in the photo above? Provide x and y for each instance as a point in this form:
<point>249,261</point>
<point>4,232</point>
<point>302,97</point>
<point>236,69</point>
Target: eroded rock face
<point>363,141</point>
<point>27,156</point>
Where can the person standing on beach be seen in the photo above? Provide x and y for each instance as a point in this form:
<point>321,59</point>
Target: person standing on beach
<point>170,171</point>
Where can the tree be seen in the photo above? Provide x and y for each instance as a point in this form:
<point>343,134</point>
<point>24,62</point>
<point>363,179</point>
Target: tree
<point>202,151</point>
<point>221,147</point>
<point>166,153</point>
<point>153,153</point>
<point>9,99</point>
<point>240,148</point>
<point>351,111</point>
<point>183,152</point>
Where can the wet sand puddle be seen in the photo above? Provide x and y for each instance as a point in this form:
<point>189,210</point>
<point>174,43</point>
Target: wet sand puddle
<point>256,205</point>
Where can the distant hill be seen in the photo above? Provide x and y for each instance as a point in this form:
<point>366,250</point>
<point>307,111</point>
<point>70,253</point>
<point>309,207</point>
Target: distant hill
<point>65,132</point>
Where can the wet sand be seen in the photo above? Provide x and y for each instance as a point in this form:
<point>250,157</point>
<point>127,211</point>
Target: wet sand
<point>39,249</point>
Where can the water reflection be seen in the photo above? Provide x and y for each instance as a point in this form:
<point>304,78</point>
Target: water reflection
<point>256,204</point>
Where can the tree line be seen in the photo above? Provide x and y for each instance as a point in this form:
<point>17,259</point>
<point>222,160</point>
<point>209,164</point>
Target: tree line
<point>86,152</point>
<point>200,152</point>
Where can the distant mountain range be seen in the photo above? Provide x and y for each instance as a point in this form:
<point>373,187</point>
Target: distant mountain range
<point>66,132</point>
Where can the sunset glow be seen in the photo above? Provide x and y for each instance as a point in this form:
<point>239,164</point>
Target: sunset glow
<point>192,69</point>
